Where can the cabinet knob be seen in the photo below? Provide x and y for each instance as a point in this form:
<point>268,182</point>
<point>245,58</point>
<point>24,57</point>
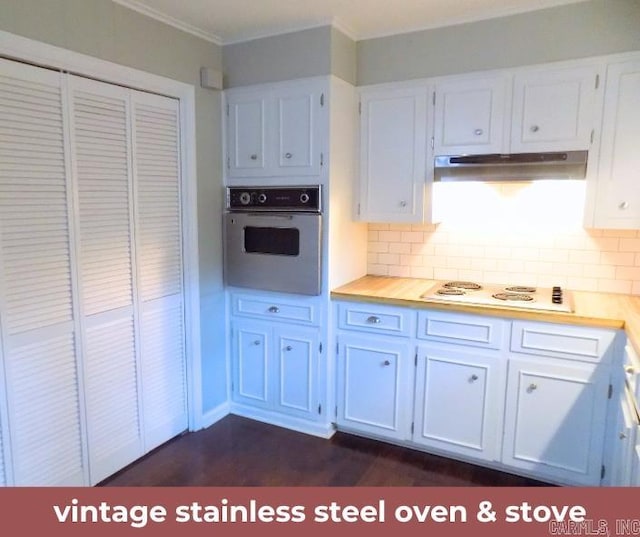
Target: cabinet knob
<point>274,309</point>
<point>386,363</point>
<point>622,436</point>
<point>373,320</point>
<point>629,370</point>
<point>288,348</point>
<point>478,132</point>
<point>256,342</point>
<point>254,157</point>
<point>288,155</point>
<point>532,388</point>
<point>473,378</point>
<point>623,205</point>
<point>403,203</point>
<point>534,128</point>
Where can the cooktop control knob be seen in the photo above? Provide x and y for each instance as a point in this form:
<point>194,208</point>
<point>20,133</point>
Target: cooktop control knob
<point>304,198</point>
<point>556,295</point>
<point>245,198</point>
<point>262,197</point>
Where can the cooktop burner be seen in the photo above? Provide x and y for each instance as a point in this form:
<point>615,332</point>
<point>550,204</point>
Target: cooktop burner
<point>512,296</point>
<point>450,291</point>
<point>521,297</point>
<point>462,285</point>
<point>520,289</point>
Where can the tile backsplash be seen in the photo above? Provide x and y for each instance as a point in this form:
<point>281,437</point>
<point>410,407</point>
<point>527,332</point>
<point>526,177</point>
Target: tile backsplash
<point>517,233</point>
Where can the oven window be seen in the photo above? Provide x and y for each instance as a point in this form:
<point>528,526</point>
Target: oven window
<point>272,240</point>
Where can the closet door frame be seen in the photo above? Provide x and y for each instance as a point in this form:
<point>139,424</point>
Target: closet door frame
<point>34,52</point>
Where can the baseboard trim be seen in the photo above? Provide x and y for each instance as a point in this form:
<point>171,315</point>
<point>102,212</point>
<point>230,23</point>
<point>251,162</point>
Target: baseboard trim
<point>322,430</point>
<point>214,415</point>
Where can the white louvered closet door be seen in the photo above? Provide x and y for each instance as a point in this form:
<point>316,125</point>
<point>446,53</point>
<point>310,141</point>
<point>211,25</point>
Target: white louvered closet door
<point>102,177</point>
<point>36,300</point>
<point>156,146</point>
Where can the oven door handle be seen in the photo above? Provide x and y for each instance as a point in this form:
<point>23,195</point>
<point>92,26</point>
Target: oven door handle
<point>270,215</point>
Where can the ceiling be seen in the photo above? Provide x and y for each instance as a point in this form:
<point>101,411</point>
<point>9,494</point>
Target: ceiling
<point>232,21</point>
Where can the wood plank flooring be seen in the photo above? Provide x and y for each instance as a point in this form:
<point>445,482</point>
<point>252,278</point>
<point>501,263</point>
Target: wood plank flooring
<point>241,452</point>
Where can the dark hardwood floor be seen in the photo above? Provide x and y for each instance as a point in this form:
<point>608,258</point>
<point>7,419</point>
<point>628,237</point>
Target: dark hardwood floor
<point>241,452</point>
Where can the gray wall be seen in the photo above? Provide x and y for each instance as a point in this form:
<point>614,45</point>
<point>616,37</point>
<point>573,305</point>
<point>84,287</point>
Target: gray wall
<point>111,32</point>
<point>313,52</point>
<point>561,33</point>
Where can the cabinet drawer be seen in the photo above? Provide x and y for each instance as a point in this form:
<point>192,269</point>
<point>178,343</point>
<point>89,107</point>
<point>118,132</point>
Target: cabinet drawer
<point>280,309</point>
<point>562,341</point>
<point>378,319</point>
<point>461,329</point>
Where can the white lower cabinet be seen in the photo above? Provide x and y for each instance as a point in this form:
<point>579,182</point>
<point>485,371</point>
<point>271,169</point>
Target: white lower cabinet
<point>275,367</point>
<point>458,401</point>
<point>276,362</point>
<point>555,416</point>
<point>526,397</point>
<point>374,378</point>
<point>624,442</point>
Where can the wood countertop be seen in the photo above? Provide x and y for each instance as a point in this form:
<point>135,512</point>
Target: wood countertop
<point>606,310</point>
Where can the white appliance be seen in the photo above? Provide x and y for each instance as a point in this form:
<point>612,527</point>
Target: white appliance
<point>511,296</point>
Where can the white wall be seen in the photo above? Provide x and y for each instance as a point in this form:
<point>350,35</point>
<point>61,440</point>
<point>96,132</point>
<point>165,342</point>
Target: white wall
<point>571,31</point>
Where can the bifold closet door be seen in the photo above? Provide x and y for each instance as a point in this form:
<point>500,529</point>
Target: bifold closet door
<point>38,335</point>
<point>156,149</point>
<point>102,177</point>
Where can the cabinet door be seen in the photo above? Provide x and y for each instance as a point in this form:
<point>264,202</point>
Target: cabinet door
<point>469,116</point>
<point>246,134</point>
<point>250,362</point>
<point>553,110</point>
<point>618,205</point>
<point>554,419</point>
<point>458,403</point>
<point>296,132</point>
<point>296,362</point>
<point>624,441</point>
<point>393,154</point>
<point>374,386</point>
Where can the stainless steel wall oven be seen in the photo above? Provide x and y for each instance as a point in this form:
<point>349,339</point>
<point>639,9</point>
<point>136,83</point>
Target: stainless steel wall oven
<point>273,238</point>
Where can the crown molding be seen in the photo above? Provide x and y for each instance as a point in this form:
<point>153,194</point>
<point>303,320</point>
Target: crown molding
<point>135,5</point>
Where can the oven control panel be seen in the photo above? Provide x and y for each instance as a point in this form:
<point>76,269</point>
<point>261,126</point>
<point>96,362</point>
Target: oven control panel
<point>284,199</point>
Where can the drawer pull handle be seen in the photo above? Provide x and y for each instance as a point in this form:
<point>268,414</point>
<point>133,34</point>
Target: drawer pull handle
<point>274,309</point>
<point>532,388</point>
<point>373,320</point>
<point>386,363</point>
<point>473,378</point>
<point>288,348</point>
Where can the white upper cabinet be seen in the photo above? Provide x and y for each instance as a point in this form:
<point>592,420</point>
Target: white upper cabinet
<point>393,133</point>
<point>470,115</point>
<point>275,130</point>
<point>553,109</point>
<point>617,202</point>
<point>246,134</point>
